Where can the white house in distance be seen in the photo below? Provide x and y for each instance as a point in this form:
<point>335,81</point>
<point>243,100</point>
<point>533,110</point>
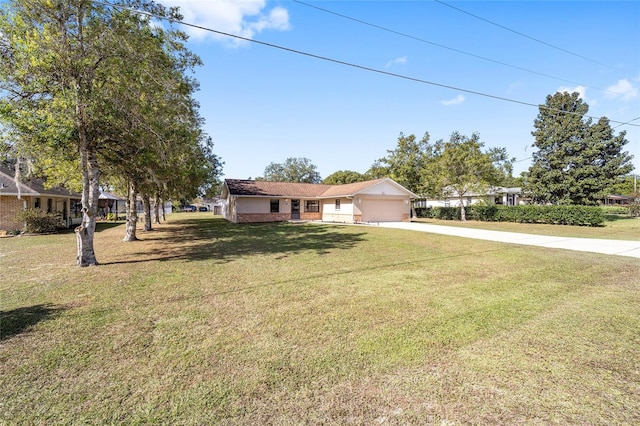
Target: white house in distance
<point>497,195</point>
<point>380,200</point>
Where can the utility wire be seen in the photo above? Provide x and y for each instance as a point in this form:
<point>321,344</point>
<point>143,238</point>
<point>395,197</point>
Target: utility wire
<point>348,64</point>
<point>521,34</point>
<point>623,124</point>
<point>444,46</point>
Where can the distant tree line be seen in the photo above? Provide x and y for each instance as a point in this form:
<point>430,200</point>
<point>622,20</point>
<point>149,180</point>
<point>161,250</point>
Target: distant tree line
<point>577,162</point>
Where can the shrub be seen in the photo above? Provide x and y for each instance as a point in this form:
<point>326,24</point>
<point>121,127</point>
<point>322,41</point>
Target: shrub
<point>423,212</point>
<point>555,215</point>
<point>615,210</point>
<point>482,212</point>
<point>446,213</point>
<point>39,222</point>
<point>634,209</point>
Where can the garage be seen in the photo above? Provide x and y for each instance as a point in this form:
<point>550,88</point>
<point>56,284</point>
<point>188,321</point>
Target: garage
<point>382,210</point>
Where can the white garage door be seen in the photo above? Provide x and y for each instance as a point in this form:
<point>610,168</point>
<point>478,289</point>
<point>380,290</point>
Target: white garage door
<point>382,210</point>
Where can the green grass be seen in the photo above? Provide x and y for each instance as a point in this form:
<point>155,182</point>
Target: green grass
<point>616,227</point>
<point>207,322</point>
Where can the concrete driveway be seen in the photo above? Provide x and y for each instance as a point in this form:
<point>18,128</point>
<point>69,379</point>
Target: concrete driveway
<point>614,247</point>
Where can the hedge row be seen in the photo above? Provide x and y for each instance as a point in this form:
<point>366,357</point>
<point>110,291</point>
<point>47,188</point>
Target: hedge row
<point>556,215</point>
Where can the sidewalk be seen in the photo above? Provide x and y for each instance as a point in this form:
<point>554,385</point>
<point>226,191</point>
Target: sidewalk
<point>614,247</point>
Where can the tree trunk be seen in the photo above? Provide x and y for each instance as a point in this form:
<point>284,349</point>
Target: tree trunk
<point>132,213</point>
<point>146,206</point>
<point>463,213</point>
<point>164,218</point>
<point>156,210</point>
<point>90,191</point>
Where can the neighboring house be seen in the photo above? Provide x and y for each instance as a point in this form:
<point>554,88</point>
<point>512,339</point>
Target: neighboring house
<point>215,205</point>
<point>380,200</point>
<point>496,195</point>
<point>617,200</point>
<point>19,196</point>
<point>111,203</point>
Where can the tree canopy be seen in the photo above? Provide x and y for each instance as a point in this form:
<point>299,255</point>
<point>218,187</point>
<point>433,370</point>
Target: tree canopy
<point>299,169</point>
<point>405,164</point>
<point>342,177</point>
<point>455,167</point>
<point>99,92</point>
<point>577,161</point>
<point>460,167</point>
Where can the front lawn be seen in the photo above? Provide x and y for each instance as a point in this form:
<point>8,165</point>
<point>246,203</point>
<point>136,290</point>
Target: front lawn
<point>207,322</point>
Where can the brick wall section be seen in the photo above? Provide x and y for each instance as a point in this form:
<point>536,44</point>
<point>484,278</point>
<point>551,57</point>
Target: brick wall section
<point>263,217</point>
<point>10,206</point>
<point>311,216</point>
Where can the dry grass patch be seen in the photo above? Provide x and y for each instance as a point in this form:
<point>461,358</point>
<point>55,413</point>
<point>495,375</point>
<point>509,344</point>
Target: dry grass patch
<point>203,321</point>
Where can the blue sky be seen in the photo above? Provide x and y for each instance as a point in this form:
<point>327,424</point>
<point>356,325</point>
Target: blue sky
<point>263,104</point>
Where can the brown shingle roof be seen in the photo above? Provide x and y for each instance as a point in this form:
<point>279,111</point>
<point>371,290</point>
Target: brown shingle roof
<point>289,189</point>
<point>349,188</point>
<point>274,189</point>
<point>8,186</point>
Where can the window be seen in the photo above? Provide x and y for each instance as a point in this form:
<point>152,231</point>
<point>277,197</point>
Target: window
<point>275,206</point>
<point>312,206</point>
<point>49,205</point>
<point>37,204</point>
<point>337,204</point>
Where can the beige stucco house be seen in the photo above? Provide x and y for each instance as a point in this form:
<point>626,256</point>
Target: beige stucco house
<point>380,200</point>
<point>19,196</point>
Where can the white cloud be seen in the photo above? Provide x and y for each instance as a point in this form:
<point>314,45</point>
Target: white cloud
<point>401,60</point>
<point>244,18</point>
<point>622,89</point>
<point>580,89</point>
<point>455,101</point>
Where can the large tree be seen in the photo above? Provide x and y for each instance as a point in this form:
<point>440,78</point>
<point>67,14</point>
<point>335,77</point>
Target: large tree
<point>405,163</point>
<point>460,167</point>
<point>292,170</point>
<point>74,82</point>
<point>577,160</point>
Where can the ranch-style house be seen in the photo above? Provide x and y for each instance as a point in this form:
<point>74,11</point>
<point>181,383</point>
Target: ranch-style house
<point>380,200</point>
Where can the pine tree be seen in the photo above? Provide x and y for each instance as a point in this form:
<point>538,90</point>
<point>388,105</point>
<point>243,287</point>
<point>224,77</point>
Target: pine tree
<point>577,160</point>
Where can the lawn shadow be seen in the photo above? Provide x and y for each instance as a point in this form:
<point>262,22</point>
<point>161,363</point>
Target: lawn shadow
<point>19,320</point>
<point>617,217</point>
<point>103,226</point>
<point>217,239</point>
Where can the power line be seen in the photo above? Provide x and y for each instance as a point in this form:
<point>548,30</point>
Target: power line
<point>623,124</point>
<point>521,34</point>
<point>348,64</point>
<point>442,46</point>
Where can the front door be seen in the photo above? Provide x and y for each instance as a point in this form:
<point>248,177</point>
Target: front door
<point>295,209</point>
